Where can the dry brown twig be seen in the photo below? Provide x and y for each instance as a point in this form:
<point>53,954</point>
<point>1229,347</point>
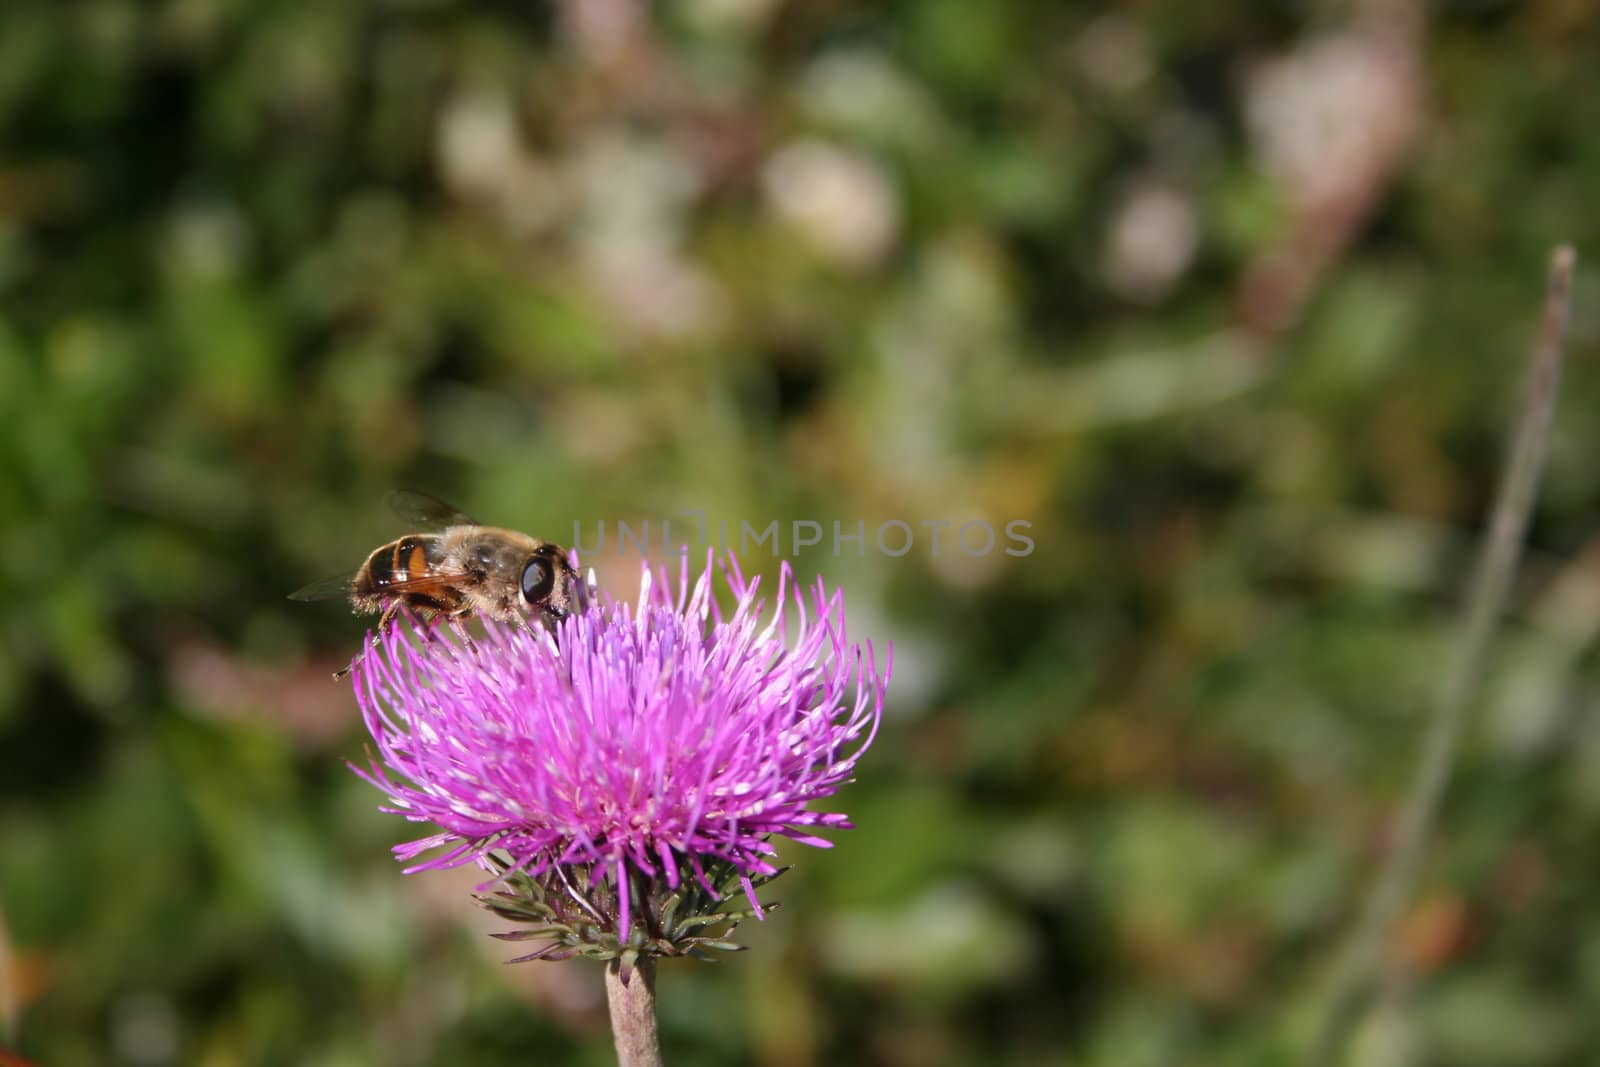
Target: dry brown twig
<point>1361,963</point>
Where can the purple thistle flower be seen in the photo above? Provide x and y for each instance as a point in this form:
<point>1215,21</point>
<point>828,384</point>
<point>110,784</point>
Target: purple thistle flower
<point>637,750</point>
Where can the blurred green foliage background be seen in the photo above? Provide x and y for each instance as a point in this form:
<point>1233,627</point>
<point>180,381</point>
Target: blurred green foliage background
<point>1228,300</point>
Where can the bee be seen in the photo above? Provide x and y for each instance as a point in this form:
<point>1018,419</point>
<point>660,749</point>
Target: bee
<point>456,570</point>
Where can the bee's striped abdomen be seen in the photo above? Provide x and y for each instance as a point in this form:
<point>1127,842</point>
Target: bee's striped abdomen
<point>412,559</point>
<point>384,580</point>
<point>404,560</point>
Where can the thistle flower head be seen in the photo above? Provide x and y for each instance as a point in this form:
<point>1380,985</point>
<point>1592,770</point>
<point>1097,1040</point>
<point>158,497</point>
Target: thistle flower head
<point>633,764</point>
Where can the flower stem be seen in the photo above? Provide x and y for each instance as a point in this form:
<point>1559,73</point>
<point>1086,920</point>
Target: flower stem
<point>633,1013</point>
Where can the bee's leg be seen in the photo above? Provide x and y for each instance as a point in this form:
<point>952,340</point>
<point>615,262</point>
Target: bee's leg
<point>384,622</point>
<point>545,622</point>
<point>454,619</point>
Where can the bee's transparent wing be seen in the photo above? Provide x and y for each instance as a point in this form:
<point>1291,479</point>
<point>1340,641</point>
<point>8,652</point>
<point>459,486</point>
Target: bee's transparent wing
<point>426,512</point>
<point>335,588</point>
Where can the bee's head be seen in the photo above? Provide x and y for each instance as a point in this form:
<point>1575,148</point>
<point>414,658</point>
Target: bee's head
<point>549,584</point>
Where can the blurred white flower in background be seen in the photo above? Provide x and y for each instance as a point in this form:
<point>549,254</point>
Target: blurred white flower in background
<point>1330,122</point>
<point>840,202</point>
<point>636,193</point>
<point>1153,239</point>
<point>478,142</point>
<point>1325,115</point>
<point>621,200</point>
<point>482,159</point>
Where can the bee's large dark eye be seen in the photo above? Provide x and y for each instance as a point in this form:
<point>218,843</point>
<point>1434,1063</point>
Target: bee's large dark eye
<point>538,578</point>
